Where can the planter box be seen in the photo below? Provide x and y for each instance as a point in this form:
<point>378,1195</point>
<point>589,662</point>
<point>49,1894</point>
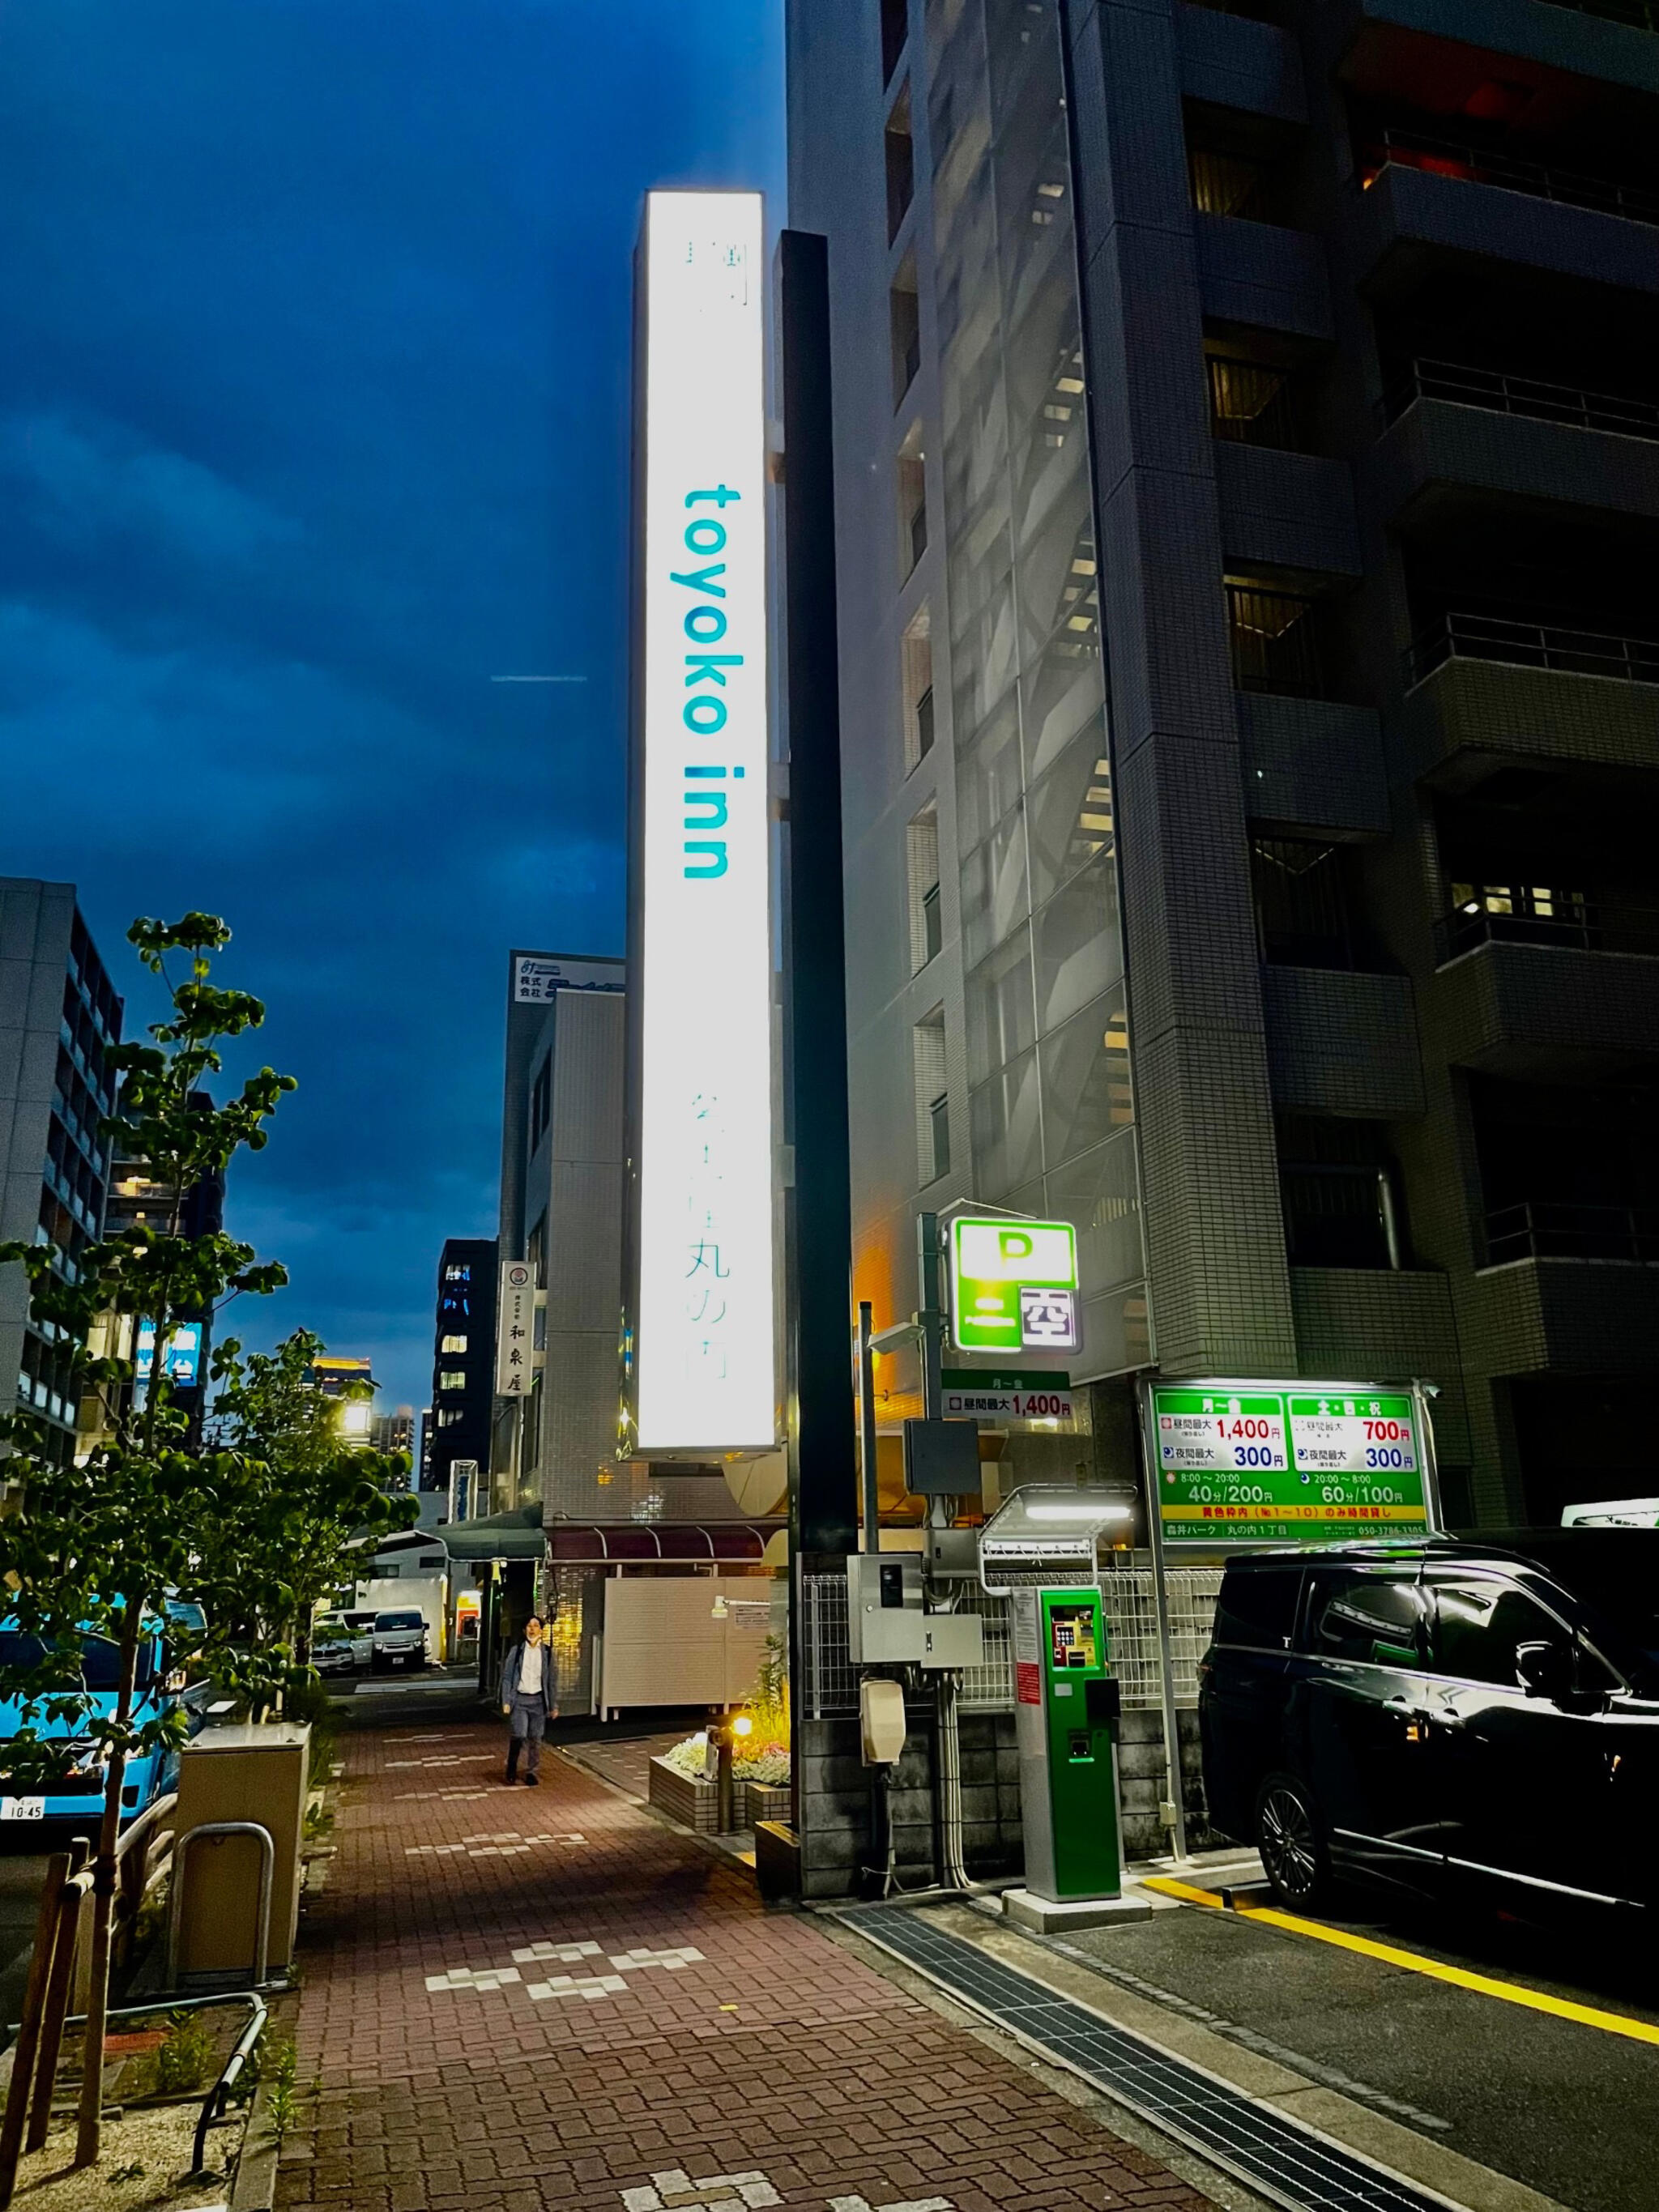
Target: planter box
<point>764,1801</point>
<point>693,1804</point>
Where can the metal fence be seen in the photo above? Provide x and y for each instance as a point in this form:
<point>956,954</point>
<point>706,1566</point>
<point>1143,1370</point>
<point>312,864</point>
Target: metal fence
<point>829,1680</point>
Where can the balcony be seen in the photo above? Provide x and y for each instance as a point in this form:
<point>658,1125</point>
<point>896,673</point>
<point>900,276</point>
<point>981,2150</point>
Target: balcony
<point>1502,913</point>
<point>1401,149</point>
<point>1606,39</point>
<point>1553,646</point>
<point>1626,1236</point>
<point>1341,1041</point>
<point>1230,60</point>
<point>1261,274</point>
<point>1481,702</point>
<point>1460,436</point>
<point>1412,220</point>
<point>1285,510</point>
<point>1580,1315</point>
<point>1546,997</point>
<point>1464,386</point>
<point>1312,764</point>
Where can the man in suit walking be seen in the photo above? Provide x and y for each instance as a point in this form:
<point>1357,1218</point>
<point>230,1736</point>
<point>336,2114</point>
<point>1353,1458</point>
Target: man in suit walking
<point>527,1701</point>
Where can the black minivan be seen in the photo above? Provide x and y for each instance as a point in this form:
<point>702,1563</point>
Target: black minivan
<point>1453,1706</point>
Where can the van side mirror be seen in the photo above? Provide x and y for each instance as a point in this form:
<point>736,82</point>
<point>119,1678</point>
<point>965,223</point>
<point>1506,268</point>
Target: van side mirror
<point>1545,1670</point>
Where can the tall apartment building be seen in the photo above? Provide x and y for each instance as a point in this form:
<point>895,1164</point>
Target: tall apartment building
<point>1248,453</point>
<point>463,1366</point>
<point>562,1197</point>
<point>59,1019</point>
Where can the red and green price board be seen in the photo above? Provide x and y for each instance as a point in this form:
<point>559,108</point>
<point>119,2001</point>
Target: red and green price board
<point>1291,1466</point>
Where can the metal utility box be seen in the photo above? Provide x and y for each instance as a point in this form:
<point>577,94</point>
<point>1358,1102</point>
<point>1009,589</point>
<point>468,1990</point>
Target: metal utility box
<point>247,1772</point>
<point>941,1459</point>
<point>887,1624</point>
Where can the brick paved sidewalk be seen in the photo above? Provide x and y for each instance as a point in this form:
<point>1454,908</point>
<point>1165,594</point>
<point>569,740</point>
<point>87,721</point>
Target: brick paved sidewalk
<point>518,1998</point>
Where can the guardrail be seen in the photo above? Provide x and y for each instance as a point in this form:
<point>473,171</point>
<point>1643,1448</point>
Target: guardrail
<point>1547,1229</point>
<point>1499,392</point>
<point>1401,148</point>
<point>1555,646</point>
<point>1518,915</point>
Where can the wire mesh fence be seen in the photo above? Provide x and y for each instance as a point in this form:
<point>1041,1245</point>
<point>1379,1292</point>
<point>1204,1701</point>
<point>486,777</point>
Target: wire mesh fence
<point>829,1680</point>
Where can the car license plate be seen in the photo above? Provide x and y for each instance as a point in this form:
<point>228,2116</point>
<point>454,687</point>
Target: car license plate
<point>23,1808</point>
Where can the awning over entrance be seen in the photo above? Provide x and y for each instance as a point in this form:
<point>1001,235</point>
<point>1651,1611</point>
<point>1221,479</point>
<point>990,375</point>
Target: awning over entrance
<point>514,1536</point>
<point>679,1542</point>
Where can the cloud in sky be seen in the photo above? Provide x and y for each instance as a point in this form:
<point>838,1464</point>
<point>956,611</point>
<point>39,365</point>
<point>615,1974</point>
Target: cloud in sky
<point>313,420</point>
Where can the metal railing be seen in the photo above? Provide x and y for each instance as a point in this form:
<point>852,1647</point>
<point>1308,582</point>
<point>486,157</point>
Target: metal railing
<point>1501,393</point>
<point>830,1680</point>
<point>1479,164</point>
<point>1501,914</point>
<point>1642,15</point>
<point>1555,646</point>
<point>1547,1229</point>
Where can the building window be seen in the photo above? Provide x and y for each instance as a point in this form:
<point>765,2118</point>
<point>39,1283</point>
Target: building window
<point>900,148</point>
<point>904,323</point>
<point>1252,403</point>
<point>922,869</point>
<point>448,1415</point>
<point>895,29</point>
<point>453,1344</point>
<point>1230,183</point>
<point>1337,1187</point>
<point>916,679</point>
<point>1301,903</point>
<point>932,1099</point>
<point>541,1100</point>
<point>1275,643</point>
<point>536,1254</point>
<point>912,501</point>
<point>452,1378</point>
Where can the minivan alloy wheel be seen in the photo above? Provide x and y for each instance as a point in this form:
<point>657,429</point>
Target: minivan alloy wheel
<point>1291,1854</point>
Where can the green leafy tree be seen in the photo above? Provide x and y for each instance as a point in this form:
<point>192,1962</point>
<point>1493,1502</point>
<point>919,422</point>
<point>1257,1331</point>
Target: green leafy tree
<point>296,1537</point>
<point>94,1551</point>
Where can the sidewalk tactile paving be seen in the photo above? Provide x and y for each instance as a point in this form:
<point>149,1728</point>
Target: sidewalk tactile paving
<point>688,2050</point>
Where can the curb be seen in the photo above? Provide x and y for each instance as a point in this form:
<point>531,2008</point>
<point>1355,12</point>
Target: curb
<point>254,2189</point>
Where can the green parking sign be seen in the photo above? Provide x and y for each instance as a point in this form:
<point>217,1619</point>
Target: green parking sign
<point>1013,1286</point>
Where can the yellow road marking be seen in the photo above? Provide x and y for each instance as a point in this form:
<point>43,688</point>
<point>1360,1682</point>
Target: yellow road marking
<point>1515,1993</point>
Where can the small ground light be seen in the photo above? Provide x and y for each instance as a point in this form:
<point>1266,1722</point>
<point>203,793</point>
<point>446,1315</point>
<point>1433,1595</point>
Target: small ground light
<point>742,1725</point>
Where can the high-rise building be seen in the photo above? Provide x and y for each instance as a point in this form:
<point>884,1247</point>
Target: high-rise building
<point>394,1432</point>
<point>60,1017</point>
<point>463,1364</point>
<point>343,1376</point>
<point>1246,430</point>
<point>562,1199</point>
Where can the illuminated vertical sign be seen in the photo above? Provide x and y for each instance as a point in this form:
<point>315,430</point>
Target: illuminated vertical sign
<point>706,1354</point>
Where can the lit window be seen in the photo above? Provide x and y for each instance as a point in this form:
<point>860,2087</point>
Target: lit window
<point>453,1344</point>
<point>452,1378</point>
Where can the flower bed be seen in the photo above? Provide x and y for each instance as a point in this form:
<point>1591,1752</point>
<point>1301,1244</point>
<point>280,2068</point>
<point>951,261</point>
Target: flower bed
<point>765,1800</point>
<point>684,1797</point>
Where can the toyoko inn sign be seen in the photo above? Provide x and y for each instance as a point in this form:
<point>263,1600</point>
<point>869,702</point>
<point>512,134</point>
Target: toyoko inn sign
<point>706,1367</point>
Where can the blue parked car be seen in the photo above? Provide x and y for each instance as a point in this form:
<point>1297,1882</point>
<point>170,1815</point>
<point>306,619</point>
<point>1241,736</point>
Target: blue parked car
<point>74,1803</point>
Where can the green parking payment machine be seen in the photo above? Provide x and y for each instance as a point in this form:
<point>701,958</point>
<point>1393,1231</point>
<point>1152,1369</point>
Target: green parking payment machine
<point>1066,1711</point>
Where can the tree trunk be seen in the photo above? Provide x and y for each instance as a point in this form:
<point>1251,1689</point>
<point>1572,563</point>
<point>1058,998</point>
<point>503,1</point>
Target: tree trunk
<point>89,2133</point>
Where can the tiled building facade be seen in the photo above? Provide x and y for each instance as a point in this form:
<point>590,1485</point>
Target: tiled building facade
<point>1248,452</point>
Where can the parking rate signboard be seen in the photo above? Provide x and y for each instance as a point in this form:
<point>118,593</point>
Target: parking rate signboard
<point>1309,1463</point>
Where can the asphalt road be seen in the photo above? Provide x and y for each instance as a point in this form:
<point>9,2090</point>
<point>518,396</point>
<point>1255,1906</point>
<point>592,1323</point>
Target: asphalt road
<point>1564,2106</point>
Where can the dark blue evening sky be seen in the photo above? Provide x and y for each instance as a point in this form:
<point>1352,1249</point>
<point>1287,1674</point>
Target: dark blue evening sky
<point>313,417</point>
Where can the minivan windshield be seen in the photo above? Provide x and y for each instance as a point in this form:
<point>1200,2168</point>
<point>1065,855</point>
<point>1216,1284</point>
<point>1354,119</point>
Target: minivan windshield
<point>399,1620</point>
<point>1614,1575</point>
